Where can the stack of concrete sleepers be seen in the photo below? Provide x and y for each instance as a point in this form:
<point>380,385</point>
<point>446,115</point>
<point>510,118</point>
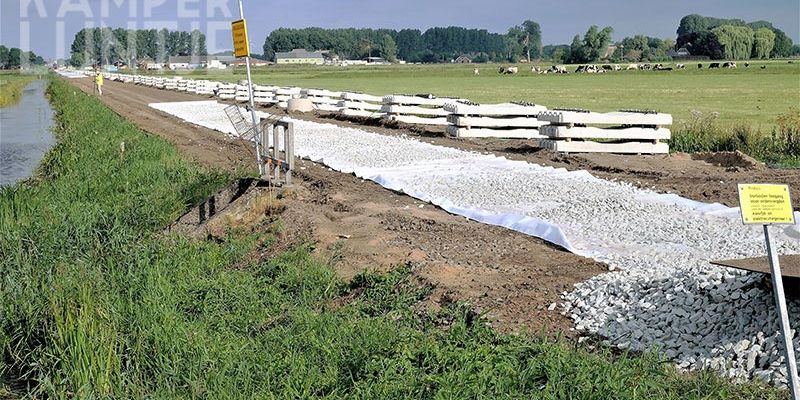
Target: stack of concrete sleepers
<point>206,88</point>
<point>418,109</point>
<point>360,105</point>
<point>191,86</point>
<point>226,91</point>
<point>264,94</point>
<point>242,93</point>
<point>182,83</point>
<point>508,120</point>
<point>171,84</point>
<point>323,100</point>
<point>159,83</point>
<point>283,95</point>
<point>623,132</point>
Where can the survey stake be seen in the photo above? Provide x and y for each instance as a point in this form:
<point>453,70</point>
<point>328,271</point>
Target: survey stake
<point>767,204</point>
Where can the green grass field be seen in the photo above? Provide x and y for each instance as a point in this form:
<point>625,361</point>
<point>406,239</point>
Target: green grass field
<point>749,96</point>
<point>11,85</point>
<point>97,302</point>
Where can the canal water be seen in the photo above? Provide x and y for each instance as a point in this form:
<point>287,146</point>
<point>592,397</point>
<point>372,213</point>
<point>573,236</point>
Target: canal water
<point>25,134</point>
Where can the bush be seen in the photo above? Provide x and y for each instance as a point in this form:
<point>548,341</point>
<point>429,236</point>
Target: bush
<point>780,146</point>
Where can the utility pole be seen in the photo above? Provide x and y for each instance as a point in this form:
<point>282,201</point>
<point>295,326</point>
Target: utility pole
<point>257,137</point>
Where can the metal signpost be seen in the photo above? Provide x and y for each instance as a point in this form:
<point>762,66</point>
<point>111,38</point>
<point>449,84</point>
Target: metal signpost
<point>765,204</point>
<point>241,48</point>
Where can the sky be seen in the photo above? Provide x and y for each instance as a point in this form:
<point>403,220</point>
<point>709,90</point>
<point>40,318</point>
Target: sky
<point>48,26</point>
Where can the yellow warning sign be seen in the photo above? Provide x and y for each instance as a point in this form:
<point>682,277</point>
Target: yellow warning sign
<point>766,204</point>
<point>241,45</point>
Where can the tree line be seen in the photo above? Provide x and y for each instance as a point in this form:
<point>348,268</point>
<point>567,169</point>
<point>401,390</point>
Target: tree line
<point>736,39</point>
<point>716,38</point>
<point>109,46</point>
<point>13,58</point>
<point>413,45</point>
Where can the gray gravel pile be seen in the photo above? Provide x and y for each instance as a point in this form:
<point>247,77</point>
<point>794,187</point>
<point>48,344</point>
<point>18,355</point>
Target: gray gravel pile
<point>663,294</point>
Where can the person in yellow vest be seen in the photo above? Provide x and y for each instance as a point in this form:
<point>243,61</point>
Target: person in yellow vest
<point>98,82</point>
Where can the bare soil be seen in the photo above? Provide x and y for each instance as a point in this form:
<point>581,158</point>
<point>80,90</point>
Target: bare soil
<point>512,277</point>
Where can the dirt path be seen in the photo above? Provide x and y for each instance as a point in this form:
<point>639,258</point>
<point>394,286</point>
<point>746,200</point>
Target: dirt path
<point>512,277</point>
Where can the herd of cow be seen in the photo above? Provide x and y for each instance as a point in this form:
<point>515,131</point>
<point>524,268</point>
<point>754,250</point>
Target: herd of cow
<point>597,69</point>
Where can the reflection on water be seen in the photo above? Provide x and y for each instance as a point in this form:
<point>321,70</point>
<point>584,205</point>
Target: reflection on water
<point>25,134</point>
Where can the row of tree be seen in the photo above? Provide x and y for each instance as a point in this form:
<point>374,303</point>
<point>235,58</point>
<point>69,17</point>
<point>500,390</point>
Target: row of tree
<point>14,58</point>
<point>109,46</point>
<point>413,45</point>
<point>703,36</point>
<point>732,38</point>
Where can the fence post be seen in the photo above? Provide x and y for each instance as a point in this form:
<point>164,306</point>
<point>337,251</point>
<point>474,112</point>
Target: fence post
<point>277,130</point>
<point>289,151</point>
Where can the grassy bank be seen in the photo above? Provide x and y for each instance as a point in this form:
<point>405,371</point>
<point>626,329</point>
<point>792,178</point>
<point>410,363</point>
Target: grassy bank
<point>96,302</point>
<point>779,145</point>
<point>11,85</point>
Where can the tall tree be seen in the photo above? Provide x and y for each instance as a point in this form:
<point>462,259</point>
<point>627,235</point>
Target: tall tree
<point>516,42</point>
<point>533,39</point>
<point>3,56</point>
<point>14,58</point>
<point>783,44</point>
<point>78,49</point>
<point>763,42</point>
<point>576,53</point>
<point>388,48</point>
<point>409,44</point>
<point>736,41</point>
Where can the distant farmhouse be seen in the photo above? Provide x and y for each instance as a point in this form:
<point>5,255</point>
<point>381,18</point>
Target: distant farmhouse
<point>300,56</point>
<point>148,64</point>
<point>680,54</point>
<point>196,62</point>
<point>463,59</point>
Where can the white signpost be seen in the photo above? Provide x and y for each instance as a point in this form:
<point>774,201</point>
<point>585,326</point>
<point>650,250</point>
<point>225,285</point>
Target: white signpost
<point>766,204</point>
<point>241,48</point>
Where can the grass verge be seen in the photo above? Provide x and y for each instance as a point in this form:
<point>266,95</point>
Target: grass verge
<point>96,302</point>
<point>780,146</point>
<point>11,85</point>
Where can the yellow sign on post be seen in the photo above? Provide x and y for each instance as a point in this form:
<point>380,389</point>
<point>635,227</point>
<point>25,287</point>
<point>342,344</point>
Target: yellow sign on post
<point>766,204</point>
<point>241,45</point>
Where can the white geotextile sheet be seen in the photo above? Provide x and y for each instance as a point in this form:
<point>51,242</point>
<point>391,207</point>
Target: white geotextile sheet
<point>424,171</point>
<point>71,74</point>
